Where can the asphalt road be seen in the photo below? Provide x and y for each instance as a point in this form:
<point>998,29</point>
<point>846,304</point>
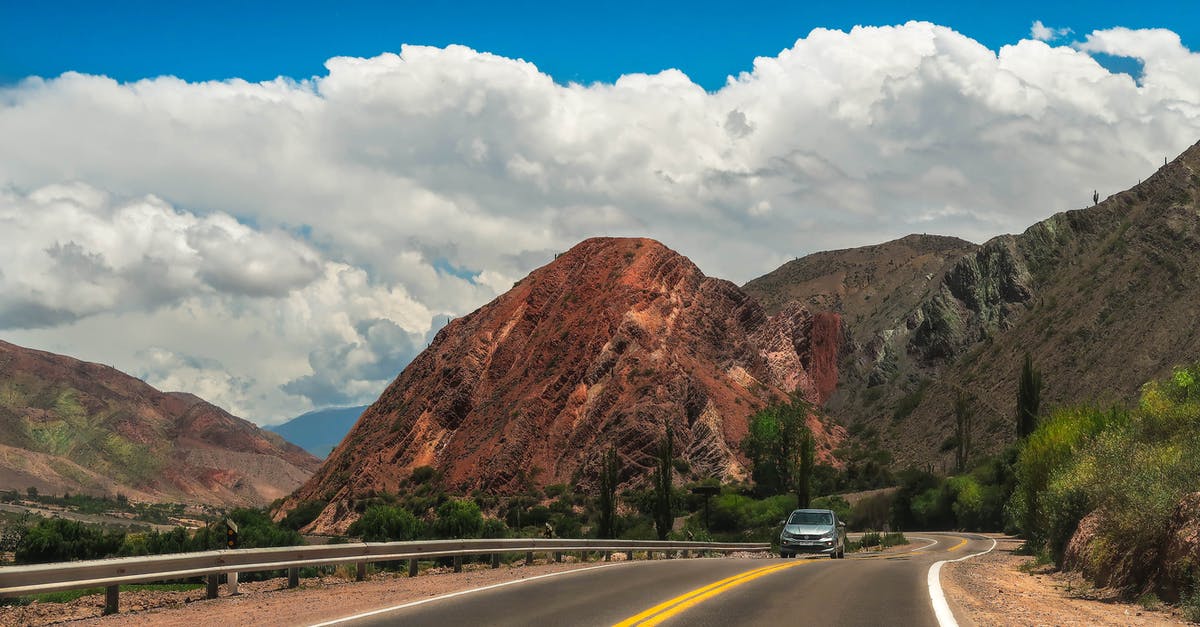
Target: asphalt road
<point>863,589</point>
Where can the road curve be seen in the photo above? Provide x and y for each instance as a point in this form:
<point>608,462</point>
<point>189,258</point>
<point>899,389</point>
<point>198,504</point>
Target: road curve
<point>864,589</point>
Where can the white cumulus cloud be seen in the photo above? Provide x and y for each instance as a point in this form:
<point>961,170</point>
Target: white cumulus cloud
<point>301,235</point>
<point>1041,32</point>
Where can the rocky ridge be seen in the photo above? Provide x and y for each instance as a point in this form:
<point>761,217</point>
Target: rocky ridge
<point>602,347</point>
<point>72,426</point>
<point>1100,297</point>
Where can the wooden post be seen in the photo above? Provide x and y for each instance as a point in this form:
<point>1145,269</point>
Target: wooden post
<point>458,563</point>
<point>608,556</point>
<point>111,599</point>
<point>214,580</point>
<point>294,577</point>
<point>686,554</point>
<point>495,560</point>
<point>232,582</point>
<point>360,571</point>
<point>529,558</point>
<point>629,556</point>
<point>558,556</point>
<point>412,568</point>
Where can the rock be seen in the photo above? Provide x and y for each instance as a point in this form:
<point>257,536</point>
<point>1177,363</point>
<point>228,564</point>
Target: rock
<point>602,347</point>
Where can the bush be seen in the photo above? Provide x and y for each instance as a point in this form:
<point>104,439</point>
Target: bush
<point>62,540</point>
<point>872,512</point>
<point>303,514</point>
<point>458,518</point>
<point>386,523</point>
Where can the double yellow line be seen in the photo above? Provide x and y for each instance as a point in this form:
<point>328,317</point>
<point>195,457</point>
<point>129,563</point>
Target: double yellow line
<point>667,609</point>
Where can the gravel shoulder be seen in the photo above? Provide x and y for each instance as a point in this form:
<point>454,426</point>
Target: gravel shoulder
<point>1003,588</point>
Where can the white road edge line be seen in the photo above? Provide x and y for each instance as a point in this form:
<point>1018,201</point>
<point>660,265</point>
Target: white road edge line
<point>385,610</point>
<point>931,542</point>
<point>941,609</point>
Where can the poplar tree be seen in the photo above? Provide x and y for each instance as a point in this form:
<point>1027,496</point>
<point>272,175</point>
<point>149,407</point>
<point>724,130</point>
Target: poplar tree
<point>1029,393</point>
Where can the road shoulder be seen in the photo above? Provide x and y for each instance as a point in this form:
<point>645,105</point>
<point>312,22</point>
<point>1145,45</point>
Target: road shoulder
<point>1001,588</point>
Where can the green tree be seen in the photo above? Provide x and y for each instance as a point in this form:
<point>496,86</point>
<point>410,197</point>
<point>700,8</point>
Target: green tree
<point>964,416</point>
<point>609,475</point>
<point>458,518</point>
<point>1029,393</point>
<point>663,515</point>
<point>61,540</point>
<point>803,482</point>
<point>386,523</point>
<point>781,450</point>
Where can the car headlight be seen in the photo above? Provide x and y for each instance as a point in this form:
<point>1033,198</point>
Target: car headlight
<point>829,536</point>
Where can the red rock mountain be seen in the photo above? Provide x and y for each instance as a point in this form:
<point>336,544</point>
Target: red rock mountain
<point>600,348</point>
<point>69,425</point>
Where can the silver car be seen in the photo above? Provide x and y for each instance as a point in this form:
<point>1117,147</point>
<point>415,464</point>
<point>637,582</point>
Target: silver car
<point>813,531</point>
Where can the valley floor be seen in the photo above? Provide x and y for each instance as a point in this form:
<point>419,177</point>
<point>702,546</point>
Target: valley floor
<point>1003,588</point>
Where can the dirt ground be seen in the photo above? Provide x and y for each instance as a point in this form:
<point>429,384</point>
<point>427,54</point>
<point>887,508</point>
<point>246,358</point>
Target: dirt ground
<point>1003,588</point>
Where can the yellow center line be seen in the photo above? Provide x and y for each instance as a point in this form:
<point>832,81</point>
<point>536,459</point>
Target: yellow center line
<point>667,609</point>
<point>958,546</point>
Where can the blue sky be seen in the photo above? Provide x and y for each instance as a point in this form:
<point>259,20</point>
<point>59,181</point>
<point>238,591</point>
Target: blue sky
<point>584,43</point>
<point>276,247</point>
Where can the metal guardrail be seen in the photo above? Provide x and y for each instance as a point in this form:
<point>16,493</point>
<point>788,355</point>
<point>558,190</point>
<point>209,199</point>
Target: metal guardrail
<point>112,573</point>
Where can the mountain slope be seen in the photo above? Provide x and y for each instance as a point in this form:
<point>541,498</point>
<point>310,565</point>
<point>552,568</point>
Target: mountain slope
<point>69,425</point>
<point>1103,298</point>
<point>319,431</point>
<point>600,348</point>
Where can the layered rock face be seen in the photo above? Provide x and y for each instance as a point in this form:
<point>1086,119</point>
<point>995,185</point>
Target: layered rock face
<point>69,425</point>
<point>603,347</point>
<point>1103,298</point>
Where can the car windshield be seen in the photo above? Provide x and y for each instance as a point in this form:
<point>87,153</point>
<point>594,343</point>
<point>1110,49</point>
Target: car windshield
<point>810,518</point>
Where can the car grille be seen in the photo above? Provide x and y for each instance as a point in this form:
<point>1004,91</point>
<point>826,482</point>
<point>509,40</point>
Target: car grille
<point>804,536</point>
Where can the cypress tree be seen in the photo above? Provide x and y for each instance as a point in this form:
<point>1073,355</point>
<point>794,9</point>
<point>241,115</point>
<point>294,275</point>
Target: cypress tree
<point>1029,393</point>
<point>663,518</point>
<point>609,475</point>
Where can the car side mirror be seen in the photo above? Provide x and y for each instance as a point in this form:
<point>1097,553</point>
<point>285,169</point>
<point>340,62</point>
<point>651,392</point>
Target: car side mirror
<point>841,525</point>
<point>783,522</point>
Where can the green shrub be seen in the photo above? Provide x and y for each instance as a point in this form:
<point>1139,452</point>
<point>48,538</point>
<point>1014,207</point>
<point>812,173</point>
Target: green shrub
<point>386,523</point>
<point>458,518</point>
<point>303,514</point>
<point>62,540</point>
<point>870,539</point>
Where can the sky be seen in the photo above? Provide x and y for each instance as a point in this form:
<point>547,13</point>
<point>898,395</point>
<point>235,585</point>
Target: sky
<point>276,207</point>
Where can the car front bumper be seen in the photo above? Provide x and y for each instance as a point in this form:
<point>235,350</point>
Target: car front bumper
<point>803,546</point>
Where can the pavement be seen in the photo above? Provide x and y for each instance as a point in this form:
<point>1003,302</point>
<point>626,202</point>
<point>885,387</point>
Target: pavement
<point>887,588</point>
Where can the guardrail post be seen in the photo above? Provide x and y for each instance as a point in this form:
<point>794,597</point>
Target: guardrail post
<point>558,556</point>
<point>294,577</point>
<point>214,580</point>
<point>529,558</point>
<point>412,568</point>
<point>360,571</point>
<point>629,556</point>
<point>495,560</point>
<point>608,556</point>
<point>687,554</point>
<point>458,563</point>
<point>231,580</point>
<point>111,598</point>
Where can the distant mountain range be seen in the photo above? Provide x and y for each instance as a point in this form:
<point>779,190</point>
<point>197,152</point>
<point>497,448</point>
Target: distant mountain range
<point>72,426</point>
<point>319,431</point>
<point>1103,299</point>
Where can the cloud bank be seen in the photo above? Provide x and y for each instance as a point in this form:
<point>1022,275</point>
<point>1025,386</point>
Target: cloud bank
<point>287,244</point>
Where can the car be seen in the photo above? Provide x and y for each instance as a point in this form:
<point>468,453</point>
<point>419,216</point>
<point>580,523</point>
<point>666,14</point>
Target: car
<point>816,531</point>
